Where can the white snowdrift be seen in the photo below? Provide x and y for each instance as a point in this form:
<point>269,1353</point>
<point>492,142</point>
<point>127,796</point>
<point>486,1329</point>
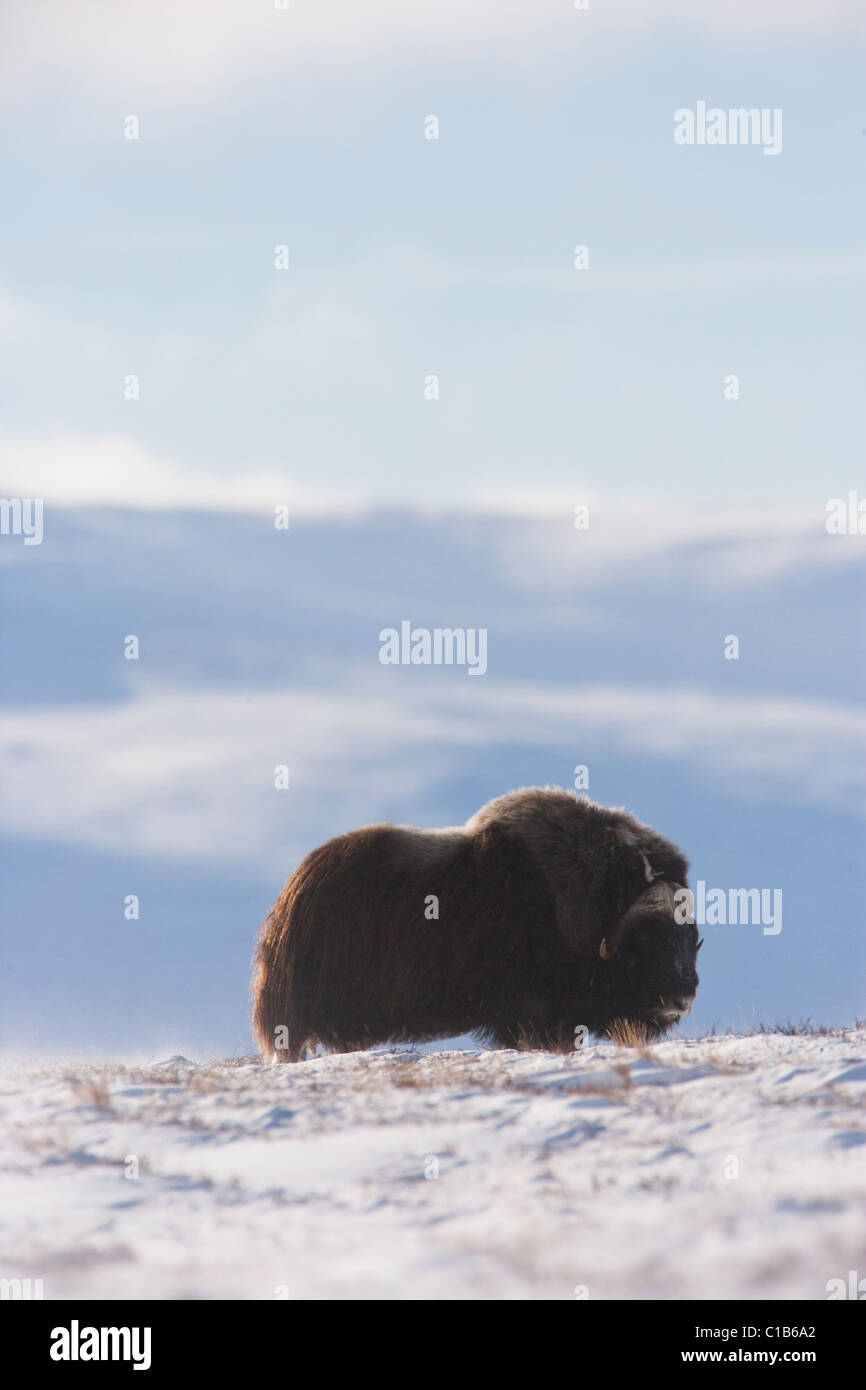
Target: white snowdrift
<point>724,1167</point>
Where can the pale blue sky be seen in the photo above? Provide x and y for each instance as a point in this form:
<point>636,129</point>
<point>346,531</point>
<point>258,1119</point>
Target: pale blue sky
<point>452,257</point>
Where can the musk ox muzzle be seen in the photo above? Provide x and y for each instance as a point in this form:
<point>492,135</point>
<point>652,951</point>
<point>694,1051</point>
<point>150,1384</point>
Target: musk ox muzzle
<point>544,915</point>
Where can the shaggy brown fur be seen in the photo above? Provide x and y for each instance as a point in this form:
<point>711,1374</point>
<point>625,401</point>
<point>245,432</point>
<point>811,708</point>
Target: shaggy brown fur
<point>527,890</point>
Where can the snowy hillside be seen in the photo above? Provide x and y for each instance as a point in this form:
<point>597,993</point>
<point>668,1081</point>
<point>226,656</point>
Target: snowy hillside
<point>726,1167</point>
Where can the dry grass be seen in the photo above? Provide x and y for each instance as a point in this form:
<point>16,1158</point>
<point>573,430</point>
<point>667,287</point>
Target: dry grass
<point>409,1074</point>
<point>91,1090</point>
<point>627,1033</point>
<point>446,1074</point>
<point>805,1028</point>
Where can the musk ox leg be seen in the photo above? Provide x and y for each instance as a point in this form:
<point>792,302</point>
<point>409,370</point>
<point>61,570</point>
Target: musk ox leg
<point>295,1052</point>
<point>283,1047</point>
<point>532,1037</point>
<point>278,1041</point>
<point>504,1035</point>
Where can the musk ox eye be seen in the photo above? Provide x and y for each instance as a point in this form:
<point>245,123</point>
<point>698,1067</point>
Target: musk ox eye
<point>638,944</point>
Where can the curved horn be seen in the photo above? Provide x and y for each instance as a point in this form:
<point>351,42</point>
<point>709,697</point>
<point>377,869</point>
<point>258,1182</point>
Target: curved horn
<point>659,899</point>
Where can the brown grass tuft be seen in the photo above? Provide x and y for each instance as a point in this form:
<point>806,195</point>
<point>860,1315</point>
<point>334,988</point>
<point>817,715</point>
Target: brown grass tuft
<point>626,1033</point>
<point>91,1090</point>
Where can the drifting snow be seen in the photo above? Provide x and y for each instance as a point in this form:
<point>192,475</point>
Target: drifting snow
<point>725,1167</point>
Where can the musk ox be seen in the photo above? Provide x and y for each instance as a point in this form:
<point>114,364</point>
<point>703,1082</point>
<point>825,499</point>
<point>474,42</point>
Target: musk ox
<point>543,913</point>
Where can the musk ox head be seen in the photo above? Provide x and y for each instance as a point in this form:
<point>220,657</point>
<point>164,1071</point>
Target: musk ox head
<point>649,961</point>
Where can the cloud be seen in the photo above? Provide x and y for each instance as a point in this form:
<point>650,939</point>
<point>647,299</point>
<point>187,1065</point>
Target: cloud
<point>718,546</point>
<point>713,275</point>
<point>194,52</point>
<point>119,471</point>
<point>189,775</point>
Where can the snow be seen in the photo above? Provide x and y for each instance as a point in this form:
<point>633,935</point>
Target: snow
<point>727,1167</point>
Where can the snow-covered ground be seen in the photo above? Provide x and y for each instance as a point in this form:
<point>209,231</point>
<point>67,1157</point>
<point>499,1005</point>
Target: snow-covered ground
<point>724,1167</point>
